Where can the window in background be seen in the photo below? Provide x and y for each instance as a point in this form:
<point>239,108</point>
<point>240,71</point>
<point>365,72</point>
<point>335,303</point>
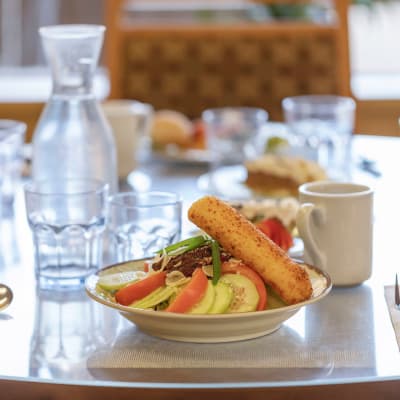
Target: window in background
<point>375,49</point>
<point>221,11</point>
<point>23,75</point>
<point>373,33</point>
<point>20,20</point>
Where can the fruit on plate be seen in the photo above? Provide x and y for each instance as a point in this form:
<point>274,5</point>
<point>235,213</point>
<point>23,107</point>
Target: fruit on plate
<point>141,288</point>
<point>118,281</point>
<point>223,298</point>
<point>191,294</point>
<point>173,128</point>
<point>195,290</point>
<point>239,268</point>
<point>206,302</point>
<point>245,297</point>
<point>232,268</point>
<point>256,210</point>
<point>199,135</point>
<point>274,143</point>
<point>277,232</point>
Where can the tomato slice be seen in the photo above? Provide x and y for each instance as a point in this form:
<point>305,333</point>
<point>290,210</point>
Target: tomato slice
<point>199,135</point>
<point>146,266</point>
<point>191,294</point>
<point>234,267</point>
<point>277,232</point>
<point>139,289</point>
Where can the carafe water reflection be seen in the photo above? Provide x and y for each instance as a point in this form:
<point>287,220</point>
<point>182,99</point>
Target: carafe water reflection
<point>73,138</point>
<point>69,327</point>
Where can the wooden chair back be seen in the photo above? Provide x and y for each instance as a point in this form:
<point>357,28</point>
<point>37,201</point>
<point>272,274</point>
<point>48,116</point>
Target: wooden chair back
<point>191,67</point>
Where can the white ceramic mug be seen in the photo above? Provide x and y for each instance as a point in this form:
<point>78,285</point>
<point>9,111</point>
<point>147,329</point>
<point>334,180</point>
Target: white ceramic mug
<point>335,222</point>
<point>130,122</point>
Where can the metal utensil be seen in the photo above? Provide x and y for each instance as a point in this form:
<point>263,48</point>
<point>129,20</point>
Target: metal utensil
<point>369,166</point>
<point>6,296</point>
<point>397,293</point>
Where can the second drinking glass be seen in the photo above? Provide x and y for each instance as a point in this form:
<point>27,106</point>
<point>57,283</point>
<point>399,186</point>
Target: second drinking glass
<point>142,223</point>
<point>322,126</point>
<point>233,136</point>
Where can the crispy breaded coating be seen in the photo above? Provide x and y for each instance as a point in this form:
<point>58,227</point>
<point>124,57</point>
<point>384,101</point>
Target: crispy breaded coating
<point>244,241</point>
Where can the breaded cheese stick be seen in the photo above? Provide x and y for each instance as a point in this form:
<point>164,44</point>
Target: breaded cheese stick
<point>244,241</point>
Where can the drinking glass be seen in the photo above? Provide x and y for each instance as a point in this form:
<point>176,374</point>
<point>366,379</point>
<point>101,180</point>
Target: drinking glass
<point>12,136</point>
<point>233,136</point>
<point>142,223</point>
<point>67,219</point>
<point>233,132</point>
<point>322,125</point>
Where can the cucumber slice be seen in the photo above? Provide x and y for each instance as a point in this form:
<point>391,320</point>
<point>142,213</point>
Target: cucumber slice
<point>157,296</point>
<point>245,295</point>
<point>206,302</point>
<point>274,301</point>
<point>223,298</point>
<point>117,281</point>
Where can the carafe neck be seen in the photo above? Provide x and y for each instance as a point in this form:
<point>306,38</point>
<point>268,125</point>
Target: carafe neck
<point>72,52</point>
<point>73,80</point>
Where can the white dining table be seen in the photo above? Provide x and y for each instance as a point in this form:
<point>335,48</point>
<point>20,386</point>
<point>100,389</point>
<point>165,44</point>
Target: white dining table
<point>65,346</point>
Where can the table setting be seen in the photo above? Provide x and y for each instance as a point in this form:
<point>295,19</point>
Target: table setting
<point>100,212</point>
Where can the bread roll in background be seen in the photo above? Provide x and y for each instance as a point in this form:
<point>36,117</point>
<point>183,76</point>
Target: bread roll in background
<point>171,127</point>
<point>244,241</point>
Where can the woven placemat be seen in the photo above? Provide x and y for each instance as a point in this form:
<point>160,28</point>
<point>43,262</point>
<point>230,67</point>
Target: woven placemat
<point>394,311</point>
<point>283,349</point>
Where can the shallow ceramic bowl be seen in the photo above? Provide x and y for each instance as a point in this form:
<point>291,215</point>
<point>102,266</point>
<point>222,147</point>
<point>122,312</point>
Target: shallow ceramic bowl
<point>206,328</point>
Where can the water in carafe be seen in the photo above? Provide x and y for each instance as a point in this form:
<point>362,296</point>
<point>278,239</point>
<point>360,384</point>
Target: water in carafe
<point>73,138</point>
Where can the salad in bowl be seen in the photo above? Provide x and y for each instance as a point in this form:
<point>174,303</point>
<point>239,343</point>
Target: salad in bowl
<point>230,283</point>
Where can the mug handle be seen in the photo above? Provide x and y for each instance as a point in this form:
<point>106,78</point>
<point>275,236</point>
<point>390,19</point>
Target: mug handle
<point>305,214</point>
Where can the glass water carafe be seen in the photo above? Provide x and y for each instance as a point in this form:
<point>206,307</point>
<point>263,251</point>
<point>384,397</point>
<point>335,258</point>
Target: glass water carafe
<point>73,138</point>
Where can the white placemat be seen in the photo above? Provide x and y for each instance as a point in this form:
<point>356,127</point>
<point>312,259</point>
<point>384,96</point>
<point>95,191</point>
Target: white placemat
<point>282,349</point>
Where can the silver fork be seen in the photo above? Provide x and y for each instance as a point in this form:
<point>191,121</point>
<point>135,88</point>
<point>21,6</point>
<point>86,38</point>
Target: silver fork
<point>397,293</point>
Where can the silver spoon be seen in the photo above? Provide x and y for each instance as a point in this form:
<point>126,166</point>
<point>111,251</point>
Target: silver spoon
<point>6,296</point>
